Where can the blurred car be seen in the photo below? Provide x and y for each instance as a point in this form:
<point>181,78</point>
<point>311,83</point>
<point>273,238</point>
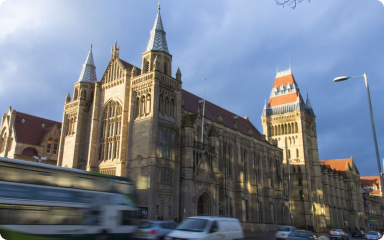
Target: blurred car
<point>154,229</point>
<point>207,228</point>
<point>338,234</point>
<point>302,235</point>
<point>357,234</point>
<point>284,232</point>
<point>372,235</point>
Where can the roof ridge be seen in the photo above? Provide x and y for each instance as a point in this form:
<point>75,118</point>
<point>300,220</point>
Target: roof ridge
<point>214,104</point>
<point>38,117</point>
<point>335,159</point>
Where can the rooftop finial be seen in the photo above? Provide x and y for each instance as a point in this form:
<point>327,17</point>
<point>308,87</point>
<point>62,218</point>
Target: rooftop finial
<point>159,6</point>
<point>91,42</point>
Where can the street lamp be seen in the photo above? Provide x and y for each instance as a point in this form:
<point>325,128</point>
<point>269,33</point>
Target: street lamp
<point>343,78</point>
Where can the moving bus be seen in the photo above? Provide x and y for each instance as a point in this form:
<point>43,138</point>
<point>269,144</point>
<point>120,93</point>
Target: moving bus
<point>40,201</point>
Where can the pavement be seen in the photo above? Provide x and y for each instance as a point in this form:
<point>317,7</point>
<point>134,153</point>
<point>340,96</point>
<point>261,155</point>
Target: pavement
<point>271,235</point>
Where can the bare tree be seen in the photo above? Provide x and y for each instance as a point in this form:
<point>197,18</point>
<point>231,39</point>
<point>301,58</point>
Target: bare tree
<point>290,3</point>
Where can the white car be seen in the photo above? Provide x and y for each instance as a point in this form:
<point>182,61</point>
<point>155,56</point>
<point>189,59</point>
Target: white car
<point>204,228</point>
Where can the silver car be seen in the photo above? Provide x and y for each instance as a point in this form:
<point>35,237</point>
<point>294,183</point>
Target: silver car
<point>338,234</point>
<point>371,235</point>
<point>284,232</point>
<point>154,229</point>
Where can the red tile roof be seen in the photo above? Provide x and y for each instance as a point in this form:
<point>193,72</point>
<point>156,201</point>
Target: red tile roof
<point>338,164</point>
<point>212,111</point>
<point>370,181</point>
<point>286,98</point>
<point>31,131</point>
<point>288,79</point>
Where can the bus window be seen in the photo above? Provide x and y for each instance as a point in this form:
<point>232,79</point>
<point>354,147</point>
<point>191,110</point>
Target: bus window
<point>85,183</point>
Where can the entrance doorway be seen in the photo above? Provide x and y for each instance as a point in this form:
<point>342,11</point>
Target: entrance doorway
<point>204,205</point>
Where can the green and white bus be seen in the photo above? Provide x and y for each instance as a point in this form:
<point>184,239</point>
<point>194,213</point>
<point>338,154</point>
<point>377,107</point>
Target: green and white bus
<point>40,201</point>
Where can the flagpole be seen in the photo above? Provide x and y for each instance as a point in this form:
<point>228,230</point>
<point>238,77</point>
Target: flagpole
<point>202,124</point>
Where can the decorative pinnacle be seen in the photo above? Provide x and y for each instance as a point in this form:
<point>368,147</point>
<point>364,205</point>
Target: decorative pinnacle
<point>159,6</point>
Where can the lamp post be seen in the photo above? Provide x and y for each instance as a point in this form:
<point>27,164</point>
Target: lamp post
<point>343,78</point>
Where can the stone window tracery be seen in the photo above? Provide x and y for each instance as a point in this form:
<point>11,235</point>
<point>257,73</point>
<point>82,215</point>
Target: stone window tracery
<point>110,132</point>
<point>166,143</point>
<point>165,175</point>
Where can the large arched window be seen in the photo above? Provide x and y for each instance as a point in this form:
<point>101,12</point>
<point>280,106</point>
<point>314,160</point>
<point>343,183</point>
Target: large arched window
<point>110,131</point>
<point>297,152</point>
<point>166,143</point>
<point>137,108</point>
<point>142,105</point>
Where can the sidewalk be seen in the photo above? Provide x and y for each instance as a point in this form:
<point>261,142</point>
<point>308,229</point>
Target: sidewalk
<point>270,235</point>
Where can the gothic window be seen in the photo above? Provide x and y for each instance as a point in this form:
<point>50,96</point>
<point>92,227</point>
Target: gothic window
<point>55,148</point>
<point>166,110</point>
<point>297,153</point>
<point>92,94</point>
<point>299,181</point>
<point>161,103</point>
<point>166,143</point>
<point>246,211</point>
<point>245,165</point>
<point>282,129</point>
<point>75,94</point>
<point>272,213</point>
<point>166,68</point>
<point>289,154</point>
<point>137,108</point>
<point>296,128</point>
<point>110,132</point>
<point>49,145</point>
<point>165,175</point>
<point>260,212</point>
<point>171,108</point>
<point>148,107</point>
<point>142,105</point>
<point>147,66</point>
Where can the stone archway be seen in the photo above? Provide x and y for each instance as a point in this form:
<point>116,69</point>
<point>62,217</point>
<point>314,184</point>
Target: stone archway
<point>204,205</point>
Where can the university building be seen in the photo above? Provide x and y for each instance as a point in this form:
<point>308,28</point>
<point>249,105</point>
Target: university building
<point>142,124</point>
<point>191,157</point>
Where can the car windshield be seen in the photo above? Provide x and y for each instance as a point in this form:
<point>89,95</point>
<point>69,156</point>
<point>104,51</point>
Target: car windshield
<point>373,233</point>
<point>284,229</point>
<point>193,225</point>
<point>299,234</point>
<point>145,225</point>
<point>336,230</point>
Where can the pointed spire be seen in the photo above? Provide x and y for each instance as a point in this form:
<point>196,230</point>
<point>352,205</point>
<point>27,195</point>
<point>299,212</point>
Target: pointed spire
<point>308,103</point>
<point>157,40</point>
<point>187,121</point>
<point>212,132</point>
<point>178,74</point>
<point>68,98</point>
<point>88,73</point>
<point>115,51</point>
<point>134,72</point>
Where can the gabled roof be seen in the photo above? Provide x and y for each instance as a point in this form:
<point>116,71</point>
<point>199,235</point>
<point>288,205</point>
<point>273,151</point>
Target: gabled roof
<point>212,111</point>
<point>338,164</point>
<point>31,130</point>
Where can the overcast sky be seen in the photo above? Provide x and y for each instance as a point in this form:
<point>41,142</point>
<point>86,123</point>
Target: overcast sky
<point>235,44</point>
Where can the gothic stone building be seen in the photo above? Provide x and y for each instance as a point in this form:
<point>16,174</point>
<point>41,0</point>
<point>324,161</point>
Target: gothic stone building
<point>325,194</point>
<point>24,136</point>
<point>140,123</point>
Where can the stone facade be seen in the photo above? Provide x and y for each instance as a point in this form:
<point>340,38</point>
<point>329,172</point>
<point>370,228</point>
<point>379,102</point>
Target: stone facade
<point>342,194</point>
<point>24,136</point>
<point>140,123</point>
<point>373,203</point>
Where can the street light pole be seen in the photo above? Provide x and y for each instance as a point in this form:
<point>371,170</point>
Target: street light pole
<point>373,125</point>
